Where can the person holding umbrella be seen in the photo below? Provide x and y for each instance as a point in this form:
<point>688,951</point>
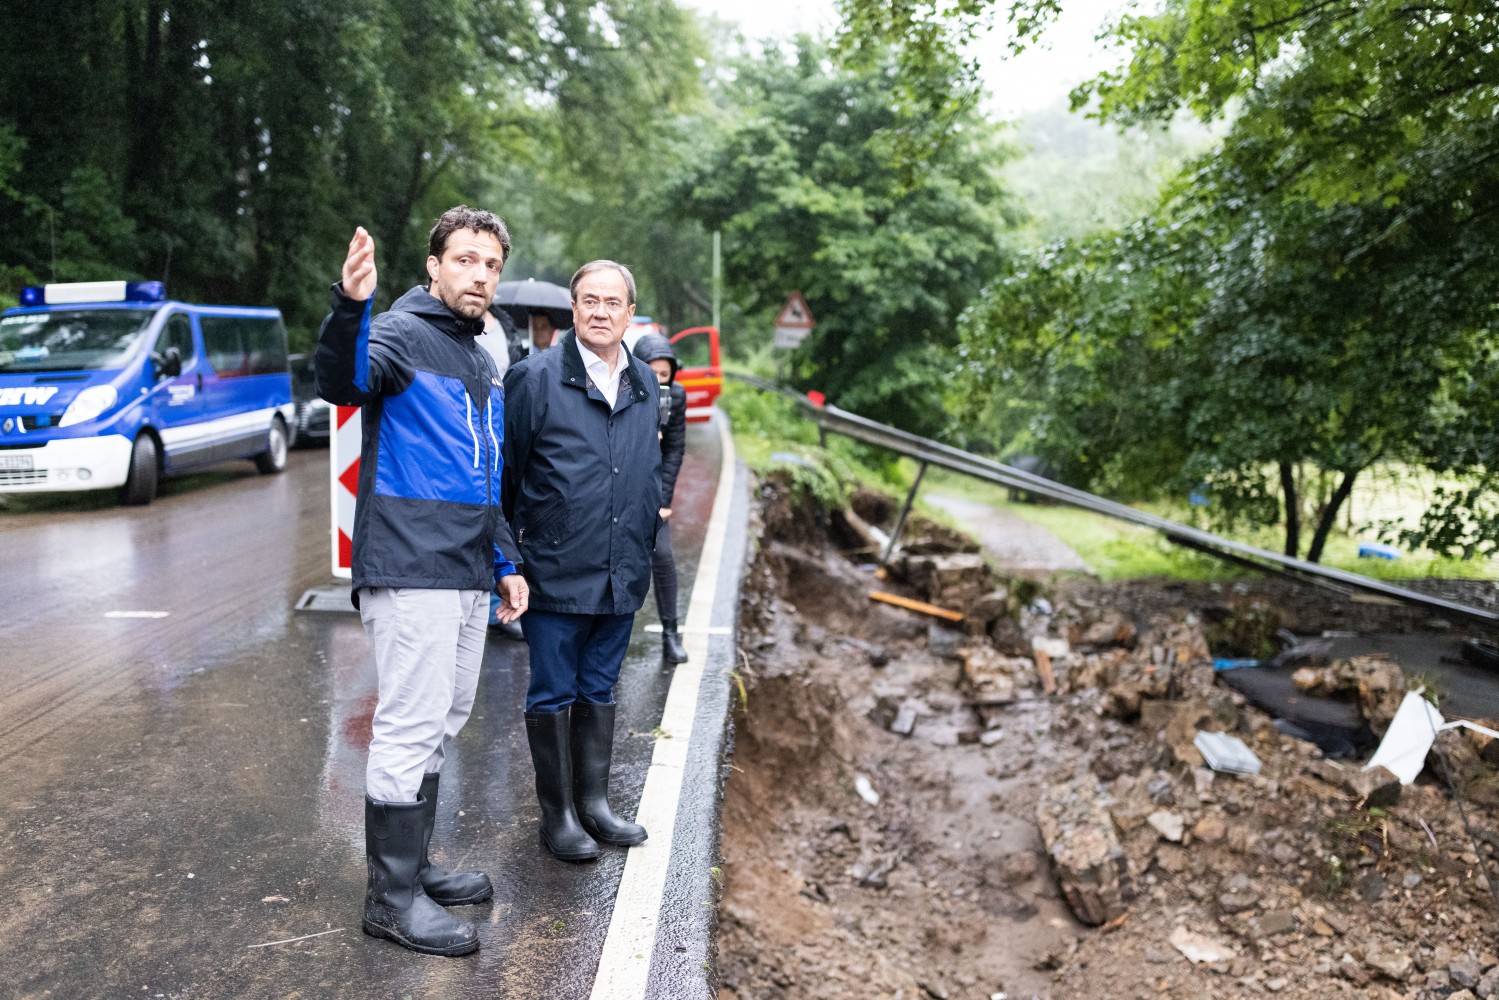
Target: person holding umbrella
<point>543,330</point>
<point>542,305</point>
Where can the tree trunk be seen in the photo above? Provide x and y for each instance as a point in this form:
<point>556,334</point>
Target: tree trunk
<point>1330,515</point>
<point>1293,508</point>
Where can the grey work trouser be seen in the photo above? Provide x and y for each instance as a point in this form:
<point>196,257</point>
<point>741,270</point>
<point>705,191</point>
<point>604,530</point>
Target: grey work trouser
<point>428,647</point>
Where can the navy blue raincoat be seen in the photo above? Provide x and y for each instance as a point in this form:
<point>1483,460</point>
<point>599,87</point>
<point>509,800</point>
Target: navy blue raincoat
<point>582,482</point>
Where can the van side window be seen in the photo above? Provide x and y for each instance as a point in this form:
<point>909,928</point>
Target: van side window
<point>178,334</point>
<point>244,345</point>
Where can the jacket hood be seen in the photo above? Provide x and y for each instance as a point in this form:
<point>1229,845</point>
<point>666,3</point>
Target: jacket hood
<point>652,347</point>
<point>429,307</point>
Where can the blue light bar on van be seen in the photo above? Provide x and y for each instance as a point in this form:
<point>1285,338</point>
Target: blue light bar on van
<point>74,292</point>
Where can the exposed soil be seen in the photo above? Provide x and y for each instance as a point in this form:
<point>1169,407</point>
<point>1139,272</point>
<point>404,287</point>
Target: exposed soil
<point>946,886</point>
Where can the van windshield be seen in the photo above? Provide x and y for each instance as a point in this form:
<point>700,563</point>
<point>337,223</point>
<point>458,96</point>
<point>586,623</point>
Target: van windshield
<point>71,340</point>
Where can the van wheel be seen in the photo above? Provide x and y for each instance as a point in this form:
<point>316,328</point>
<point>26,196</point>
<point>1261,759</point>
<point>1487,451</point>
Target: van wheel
<point>273,459</point>
<point>140,482</point>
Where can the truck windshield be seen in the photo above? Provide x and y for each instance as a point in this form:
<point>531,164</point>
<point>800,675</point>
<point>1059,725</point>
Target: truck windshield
<point>71,340</point>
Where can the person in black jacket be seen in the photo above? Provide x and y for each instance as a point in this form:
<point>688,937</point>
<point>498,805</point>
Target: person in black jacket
<point>582,490</point>
<point>429,544</point>
<point>656,351</point>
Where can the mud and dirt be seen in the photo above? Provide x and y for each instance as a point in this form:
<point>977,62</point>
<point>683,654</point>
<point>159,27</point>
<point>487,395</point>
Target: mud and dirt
<point>891,822</point>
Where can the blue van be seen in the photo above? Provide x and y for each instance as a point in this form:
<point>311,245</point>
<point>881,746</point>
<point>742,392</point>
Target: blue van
<point>108,384</point>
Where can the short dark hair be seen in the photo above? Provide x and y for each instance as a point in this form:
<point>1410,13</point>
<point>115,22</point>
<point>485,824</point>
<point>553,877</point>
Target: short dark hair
<point>601,265</point>
<point>462,217</point>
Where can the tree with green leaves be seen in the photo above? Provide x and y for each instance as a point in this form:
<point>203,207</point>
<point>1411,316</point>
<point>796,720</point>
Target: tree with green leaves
<point>810,196</point>
<point>231,148</point>
<point>1326,270</point>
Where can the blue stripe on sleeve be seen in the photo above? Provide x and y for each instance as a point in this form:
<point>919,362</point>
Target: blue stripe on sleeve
<point>362,348</point>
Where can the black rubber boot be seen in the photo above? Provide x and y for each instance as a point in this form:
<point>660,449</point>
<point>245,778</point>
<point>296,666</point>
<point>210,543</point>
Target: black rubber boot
<point>443,886</point>
<point>551,753</point>
<point>395,906</point>
<point>593,748</point>
<point>672,650</point>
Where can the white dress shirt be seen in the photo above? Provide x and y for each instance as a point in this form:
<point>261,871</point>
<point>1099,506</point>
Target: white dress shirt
<point>598,371</point>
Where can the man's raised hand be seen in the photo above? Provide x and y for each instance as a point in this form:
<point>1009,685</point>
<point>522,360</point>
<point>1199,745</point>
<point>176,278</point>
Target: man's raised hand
<point>359,266</point>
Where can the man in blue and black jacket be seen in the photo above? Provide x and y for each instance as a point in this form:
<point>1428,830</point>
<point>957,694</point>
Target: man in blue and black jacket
<point>430,542</point>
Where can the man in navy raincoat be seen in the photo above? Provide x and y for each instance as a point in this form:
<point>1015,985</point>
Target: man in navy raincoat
<point>583,493</point>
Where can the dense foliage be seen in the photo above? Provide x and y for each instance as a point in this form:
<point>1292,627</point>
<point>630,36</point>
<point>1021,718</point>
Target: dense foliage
<point>811,194</point>
<point>1312,298</point>
<point>230,148</point>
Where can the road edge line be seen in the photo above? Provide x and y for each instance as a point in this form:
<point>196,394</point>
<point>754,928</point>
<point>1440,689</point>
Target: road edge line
<point>629,945</point>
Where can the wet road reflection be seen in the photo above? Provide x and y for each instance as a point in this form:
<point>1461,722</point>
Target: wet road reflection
<point>184,791</point>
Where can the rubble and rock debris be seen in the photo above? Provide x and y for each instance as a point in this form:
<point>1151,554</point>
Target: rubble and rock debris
<point>1372,788</point>
<point>954,580</point>
<point>1376,680</point>
<point>991,678</point>
<point>988,609</point>
<point>1309,880</point>
<point>1086,858</point>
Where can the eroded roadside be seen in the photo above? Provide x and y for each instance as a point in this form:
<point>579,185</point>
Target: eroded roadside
<point>1007,813</point>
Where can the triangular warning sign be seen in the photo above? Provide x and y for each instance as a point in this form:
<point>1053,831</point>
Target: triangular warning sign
<point>795,313</point>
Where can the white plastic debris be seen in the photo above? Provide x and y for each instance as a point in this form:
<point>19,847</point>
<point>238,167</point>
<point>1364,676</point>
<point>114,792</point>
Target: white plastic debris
<point>866,790</point>
<point>1226,753</point>
<point>1412,732</point>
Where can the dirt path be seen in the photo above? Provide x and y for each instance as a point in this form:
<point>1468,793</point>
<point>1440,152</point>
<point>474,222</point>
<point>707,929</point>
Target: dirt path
<point>1018,546</point>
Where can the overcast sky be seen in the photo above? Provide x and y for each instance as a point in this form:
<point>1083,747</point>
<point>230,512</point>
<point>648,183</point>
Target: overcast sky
<point>1039,78</point>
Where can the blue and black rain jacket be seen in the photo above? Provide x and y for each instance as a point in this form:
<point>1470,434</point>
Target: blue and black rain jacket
<point>430,467</point>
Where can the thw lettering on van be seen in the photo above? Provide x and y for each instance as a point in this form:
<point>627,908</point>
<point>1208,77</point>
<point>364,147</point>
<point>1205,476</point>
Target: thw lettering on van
<point>34,395</point>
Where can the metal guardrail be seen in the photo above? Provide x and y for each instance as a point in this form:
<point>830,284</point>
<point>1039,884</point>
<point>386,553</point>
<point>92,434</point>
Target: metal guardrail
<point>928,452</point>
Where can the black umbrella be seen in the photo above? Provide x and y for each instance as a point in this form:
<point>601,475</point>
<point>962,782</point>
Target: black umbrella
<point>532,294</point>
<point>519,299</point>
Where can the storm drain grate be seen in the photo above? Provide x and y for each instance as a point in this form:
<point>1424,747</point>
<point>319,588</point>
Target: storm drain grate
<point>327,599</point>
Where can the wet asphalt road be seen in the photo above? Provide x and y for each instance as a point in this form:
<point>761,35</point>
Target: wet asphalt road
<point>183,791</point>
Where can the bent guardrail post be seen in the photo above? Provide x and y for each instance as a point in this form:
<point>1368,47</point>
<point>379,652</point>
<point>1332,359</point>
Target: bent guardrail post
<point>905,510</point>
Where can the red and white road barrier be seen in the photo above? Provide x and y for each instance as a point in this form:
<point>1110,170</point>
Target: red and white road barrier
<point>343,469</point>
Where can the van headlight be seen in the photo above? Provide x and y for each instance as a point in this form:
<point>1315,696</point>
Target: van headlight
<point>88,404</point>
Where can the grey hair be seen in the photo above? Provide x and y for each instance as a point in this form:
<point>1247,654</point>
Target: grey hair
<point>601,265</point>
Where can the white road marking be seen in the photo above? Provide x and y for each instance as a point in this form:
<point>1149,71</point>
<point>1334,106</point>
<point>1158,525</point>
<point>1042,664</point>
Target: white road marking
<point>136,614</point>
<point>710,630</point>
<point>625,965</point>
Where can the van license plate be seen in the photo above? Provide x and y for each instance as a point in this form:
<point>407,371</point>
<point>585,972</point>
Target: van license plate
<point>15,463</point>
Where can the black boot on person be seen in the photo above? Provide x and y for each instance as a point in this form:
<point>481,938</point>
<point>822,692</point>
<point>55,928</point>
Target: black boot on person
<point>672,650</point>
<point>551,752</point>
<point>443,886</point>
<point>593,750</point>
<point>395,906</point>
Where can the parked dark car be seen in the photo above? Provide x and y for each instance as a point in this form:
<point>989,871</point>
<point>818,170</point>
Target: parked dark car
<point>313,423</point>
